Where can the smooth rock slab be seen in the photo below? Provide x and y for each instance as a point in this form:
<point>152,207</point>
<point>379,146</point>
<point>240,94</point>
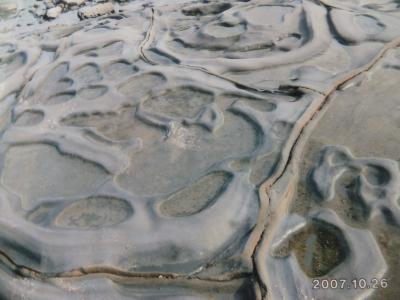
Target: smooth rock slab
<point>141,143</point>
<point>346,170</point>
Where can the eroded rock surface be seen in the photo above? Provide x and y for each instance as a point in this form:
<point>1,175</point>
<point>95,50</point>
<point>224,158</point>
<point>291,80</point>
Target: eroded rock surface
<point>152,150</point>
<point>344,176</point>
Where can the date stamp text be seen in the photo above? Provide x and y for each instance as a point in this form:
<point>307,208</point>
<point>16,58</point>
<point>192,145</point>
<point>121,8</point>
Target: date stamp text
<point>355,283</point>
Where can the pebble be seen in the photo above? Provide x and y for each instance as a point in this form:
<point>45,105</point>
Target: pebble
<point>54,12</point>
<point>96,10</point>
<point>73,2</point>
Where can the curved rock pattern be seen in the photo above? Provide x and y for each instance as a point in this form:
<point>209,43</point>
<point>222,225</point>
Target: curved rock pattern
<point>375,182</point>
<point>353,192</point>
<point>290,275</point>
<point>150,146</point>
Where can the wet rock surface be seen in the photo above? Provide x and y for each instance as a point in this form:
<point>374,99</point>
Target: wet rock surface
<point>198,150</point>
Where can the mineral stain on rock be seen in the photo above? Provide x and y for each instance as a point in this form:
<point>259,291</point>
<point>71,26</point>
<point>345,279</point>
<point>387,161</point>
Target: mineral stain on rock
<point>96,212</point>
<point>194,198</point>
<point>319,248</point>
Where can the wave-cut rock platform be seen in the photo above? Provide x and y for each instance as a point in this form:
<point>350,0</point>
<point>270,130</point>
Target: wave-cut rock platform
<point>199,149</point>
